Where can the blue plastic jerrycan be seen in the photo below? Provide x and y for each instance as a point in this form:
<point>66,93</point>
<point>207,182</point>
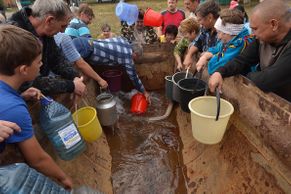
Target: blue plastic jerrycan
<point>21,179</point>
<point>57,122</point>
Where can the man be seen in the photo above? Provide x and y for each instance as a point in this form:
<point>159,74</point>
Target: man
<point>271,50</point>
<point>45,19</point>
<point>112,51</point>
<point>191,6</point>
<point>171,16</point>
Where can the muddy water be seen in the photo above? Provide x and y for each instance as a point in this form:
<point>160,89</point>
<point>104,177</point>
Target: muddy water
<point>146,157</point>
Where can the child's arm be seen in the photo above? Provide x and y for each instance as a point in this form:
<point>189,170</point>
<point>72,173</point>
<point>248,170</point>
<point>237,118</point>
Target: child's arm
<point>37,158</point>
<point>203,60</point>
<point>159,31</point>
<point>188,61</point>
<point>87,70</point>
<point>179,51</point>
<point>179,61</point>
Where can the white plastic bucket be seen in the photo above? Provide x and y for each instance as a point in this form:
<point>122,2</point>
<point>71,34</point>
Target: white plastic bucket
<point>203,112</point>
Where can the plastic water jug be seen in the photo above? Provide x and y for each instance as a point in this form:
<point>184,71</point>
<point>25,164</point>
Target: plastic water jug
<point>20,178</point>
<point>57,122</point>
<point>126,12</point>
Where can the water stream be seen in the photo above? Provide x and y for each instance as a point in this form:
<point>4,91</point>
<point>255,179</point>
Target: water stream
<point>146,156</point>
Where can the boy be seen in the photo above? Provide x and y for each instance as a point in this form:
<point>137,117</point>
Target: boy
<point>189,29</point>
<point>78,26</point>
<point>20,54</point>
<point>170,34</point>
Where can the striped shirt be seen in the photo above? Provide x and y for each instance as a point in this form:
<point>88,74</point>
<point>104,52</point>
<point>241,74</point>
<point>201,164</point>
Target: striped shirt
<point>111,51</point>
<point>64,42</point>
<point>77,28</point>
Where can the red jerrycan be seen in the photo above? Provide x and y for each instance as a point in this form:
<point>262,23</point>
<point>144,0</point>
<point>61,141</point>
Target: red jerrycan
<point>139,103</point>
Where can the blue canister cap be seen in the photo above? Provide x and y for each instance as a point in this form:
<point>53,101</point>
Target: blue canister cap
<point>46,101</point>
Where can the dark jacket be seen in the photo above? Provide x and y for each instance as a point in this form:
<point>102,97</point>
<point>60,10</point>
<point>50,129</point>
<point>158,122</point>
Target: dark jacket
<point>274,74</point>
<point>52,58</point>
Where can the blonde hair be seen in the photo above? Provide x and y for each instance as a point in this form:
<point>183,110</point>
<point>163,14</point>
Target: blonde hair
<point>189,25</point>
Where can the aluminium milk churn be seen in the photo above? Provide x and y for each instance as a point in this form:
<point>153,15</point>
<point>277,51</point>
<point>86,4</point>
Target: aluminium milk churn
<point>106,109</point>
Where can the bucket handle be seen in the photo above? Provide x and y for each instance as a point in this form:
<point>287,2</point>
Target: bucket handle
<point>105,90</point>
<point>187,71</point>
<point>218,103</point>
<point>199,78</point>
<point>76,106</point>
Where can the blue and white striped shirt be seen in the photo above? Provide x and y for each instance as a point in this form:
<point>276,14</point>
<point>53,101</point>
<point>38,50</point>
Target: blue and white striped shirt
<point>77,28</point>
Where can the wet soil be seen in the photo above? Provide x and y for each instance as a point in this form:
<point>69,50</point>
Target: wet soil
<point>146,156</point>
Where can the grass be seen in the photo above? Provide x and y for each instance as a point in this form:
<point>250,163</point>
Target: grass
<point>105,12</point>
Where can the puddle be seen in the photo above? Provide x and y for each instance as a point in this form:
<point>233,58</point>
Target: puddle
<point>146,157</point>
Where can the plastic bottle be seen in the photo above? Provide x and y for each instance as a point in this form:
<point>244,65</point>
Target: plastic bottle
<point>20,178</point>
<point>56,120</point>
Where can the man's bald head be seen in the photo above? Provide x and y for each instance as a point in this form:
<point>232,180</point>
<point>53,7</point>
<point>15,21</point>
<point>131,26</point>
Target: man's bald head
<point>270,9</point>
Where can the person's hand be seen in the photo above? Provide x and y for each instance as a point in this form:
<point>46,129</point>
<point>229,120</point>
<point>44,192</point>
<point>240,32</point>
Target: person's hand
<point>147,95</point>
<point>180,67</point>
<point>215,80</point>
<point>188,61</point>
<point>7,128</point>
<point>80,87</point>
<point>102,83</point>
<point>67,183</point>
<point>200,64</point>
<point>31,94</point>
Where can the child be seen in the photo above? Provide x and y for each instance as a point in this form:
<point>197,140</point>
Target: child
<point>189,29</point>
<point>106,32</point>
<point>20,54</point>
<point>231,33</point>
<point>170,34</point>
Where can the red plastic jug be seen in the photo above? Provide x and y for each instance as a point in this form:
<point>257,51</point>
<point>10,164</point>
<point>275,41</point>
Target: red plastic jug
<point>139,104</point>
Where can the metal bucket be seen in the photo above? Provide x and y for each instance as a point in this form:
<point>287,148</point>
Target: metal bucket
<point>188,91</point>
<point>176,78</point>
<point>106,109</point>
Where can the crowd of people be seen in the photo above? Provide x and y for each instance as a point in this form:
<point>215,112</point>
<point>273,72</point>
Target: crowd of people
<point>42,45</point>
